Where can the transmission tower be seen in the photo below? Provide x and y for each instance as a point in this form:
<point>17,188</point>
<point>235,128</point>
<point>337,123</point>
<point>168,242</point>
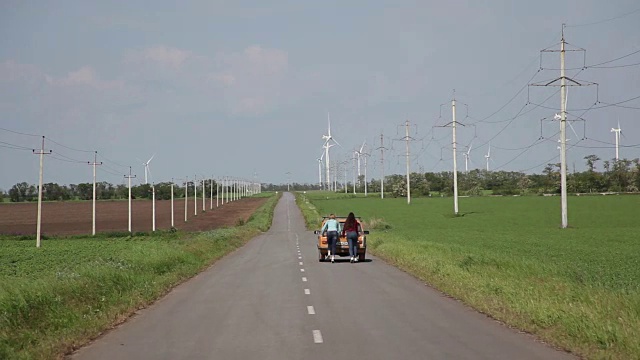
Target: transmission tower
<point>382,149</point>
<point>454,144</point>
<point>562,117</point>
<point>407,139</point>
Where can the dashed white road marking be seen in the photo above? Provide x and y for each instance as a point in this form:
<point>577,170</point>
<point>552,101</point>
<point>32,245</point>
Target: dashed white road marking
<point>300,257</point>
<point>301,270</point>
<point>317,337</point>
<point>311,310</point>
<point>300,263</point>
<point>304,279</point>
<point>307,292</point>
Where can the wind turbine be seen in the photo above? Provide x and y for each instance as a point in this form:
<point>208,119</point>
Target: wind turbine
<point>146,169</point>
<point>466,157</point>
<point>488,156</point>
<point>617,132</point>
<point>327,144</point>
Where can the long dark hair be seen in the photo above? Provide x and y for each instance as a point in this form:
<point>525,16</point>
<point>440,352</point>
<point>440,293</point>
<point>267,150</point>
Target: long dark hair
<point>350,223</point>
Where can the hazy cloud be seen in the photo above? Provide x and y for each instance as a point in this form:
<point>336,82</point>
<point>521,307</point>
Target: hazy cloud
<point>161,55</point>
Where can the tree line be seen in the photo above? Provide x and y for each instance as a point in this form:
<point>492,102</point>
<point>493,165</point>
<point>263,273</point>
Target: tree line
<point>616,176</point>
<point>23,191</point>
<point>621,175</point>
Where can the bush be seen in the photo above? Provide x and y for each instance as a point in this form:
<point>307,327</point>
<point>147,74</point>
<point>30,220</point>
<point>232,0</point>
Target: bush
<point>378,224</point>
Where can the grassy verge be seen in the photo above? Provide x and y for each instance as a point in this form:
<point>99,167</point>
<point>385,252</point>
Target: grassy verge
<point>312,219</point>
<point>58,297</point>
<point>576,288</point>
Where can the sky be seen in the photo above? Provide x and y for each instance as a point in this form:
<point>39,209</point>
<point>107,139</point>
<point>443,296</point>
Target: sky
<point>243,88</point>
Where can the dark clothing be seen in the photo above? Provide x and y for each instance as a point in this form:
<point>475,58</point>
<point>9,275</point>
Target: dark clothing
<point>349,227</point>
<point>332,238</point>
<point>352,236</point>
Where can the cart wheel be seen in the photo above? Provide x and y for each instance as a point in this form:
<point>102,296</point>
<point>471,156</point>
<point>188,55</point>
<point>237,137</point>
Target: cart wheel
<point>320,256</point>
<point>361,257</point>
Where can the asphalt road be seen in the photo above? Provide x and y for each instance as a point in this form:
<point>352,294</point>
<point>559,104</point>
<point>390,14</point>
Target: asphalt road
<point>272,299</point>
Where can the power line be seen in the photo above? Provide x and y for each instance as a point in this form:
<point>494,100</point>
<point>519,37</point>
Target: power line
<point>614,66</point>
<point>607,20</point>
<point>19,133</point>
<point>616,59</point>
<point>595,107</point>
<point>14,146</point>
<point>67,160</point>
<point>113,162</point>
<point>70,148</point>
<point>510,100</point>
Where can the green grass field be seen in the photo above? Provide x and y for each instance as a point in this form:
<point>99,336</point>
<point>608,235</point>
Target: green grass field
<point>56,298</point>
<point>576,288</point>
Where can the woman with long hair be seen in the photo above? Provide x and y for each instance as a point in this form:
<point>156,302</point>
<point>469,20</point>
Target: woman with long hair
<point>350,230</point>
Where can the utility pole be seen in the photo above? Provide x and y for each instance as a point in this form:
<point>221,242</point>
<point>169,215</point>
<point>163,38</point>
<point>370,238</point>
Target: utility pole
<point>153,206</point>
<point>366,155</point>
<point>39,222</point>
<point>563,136</point>
<point>563,120</point>
<point>345,163</point>
<point>94,164</point>
<point>195,195</point>
<point>204,196</point>
<point>289,179</point>
<point>354,174</point>
<point>382,149</point>
<point>129,177</point>
<point>186,197</point>
<point>211,189</point>
<point>218,193</point>
<point>454,145</point>
<point>172,218</point>
<point>455,165</point>
<point>407,146</point>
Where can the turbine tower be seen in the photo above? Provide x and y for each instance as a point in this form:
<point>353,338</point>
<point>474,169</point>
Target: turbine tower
<point>146,169</point>
<point>617,132</point>
<point>358,154</point>
<point>320,170</point>
<point>327,144</point>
